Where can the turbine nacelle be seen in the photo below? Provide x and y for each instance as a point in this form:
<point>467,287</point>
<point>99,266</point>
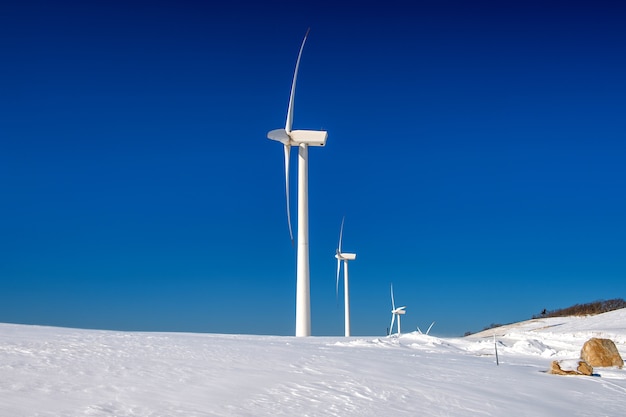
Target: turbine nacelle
<point>299,137</point>
<point>345,256</point>
<point>309,137</point>
<point>399,310</point>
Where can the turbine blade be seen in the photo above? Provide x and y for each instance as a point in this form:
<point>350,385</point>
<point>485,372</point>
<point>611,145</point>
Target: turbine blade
<point>393,317</point>
<point>430,327</point>
<point>287,149</point>
<point>341,234</point>
<point>393,304</point>
<point>289,122</point>
<point>419,330</point>
<point>337,282</point>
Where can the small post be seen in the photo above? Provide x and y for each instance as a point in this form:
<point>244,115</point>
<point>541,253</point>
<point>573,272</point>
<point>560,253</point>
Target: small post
<point>495,345</point>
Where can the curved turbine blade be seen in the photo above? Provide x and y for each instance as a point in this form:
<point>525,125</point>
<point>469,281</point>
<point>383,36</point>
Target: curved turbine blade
<point>289,122</point>
<point>340,235</point>
<point>337,282</point>
<point>393,317</point>
<point>430,327</point>
<point>393,304</point>
<point>287,149</point>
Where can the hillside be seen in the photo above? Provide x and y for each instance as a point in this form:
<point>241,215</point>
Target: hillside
<point>56,372</point>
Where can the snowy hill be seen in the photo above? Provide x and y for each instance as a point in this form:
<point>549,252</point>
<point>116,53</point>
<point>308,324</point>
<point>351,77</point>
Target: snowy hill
<point>49,372</point>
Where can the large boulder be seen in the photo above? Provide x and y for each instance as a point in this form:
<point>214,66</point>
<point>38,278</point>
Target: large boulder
<point>601,353</point>
<point>571,367</point>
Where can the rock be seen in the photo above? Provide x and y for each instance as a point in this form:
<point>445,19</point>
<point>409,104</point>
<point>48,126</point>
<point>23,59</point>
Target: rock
<point>601,353</point>
<point>571,367</point>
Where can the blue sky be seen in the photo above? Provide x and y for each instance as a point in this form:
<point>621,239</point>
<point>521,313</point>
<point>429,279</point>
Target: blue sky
<point>476,150</point>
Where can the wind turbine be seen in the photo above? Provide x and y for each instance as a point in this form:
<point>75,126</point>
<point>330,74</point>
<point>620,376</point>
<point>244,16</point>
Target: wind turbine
<point>345,257</point>
<point>395,312</point>
<point>427,331</point>
<point>302,139</point>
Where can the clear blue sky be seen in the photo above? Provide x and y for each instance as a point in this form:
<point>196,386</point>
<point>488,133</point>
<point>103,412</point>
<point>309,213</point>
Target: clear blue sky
<point>477,150</point>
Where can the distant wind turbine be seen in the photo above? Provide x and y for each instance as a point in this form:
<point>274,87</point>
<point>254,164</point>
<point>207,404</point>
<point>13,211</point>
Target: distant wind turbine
<point>345,257</point>
<point>427,331</point>
<point>303,139</point>
<point>395,312</point>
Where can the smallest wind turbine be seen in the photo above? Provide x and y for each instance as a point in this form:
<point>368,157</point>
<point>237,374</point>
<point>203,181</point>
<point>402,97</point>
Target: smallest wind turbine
<point>345,257</point>
<point>427,331</point>
<point>395,312</point>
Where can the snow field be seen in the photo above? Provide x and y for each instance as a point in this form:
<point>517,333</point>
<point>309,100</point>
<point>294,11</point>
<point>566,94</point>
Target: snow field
<point>55,372</point>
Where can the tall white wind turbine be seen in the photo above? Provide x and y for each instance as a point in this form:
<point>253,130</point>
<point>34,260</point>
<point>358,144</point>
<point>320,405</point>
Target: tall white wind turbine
<point>345,257</point>
<point>395,312</point>
<point>302,139</point>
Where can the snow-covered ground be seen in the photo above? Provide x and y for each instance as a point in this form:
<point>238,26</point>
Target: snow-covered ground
<point>47,371</point>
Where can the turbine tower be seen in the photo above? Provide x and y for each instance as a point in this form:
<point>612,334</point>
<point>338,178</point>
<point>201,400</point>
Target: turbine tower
<point>302,139</point>
<point>395,312</point>
<point>345,257</point>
